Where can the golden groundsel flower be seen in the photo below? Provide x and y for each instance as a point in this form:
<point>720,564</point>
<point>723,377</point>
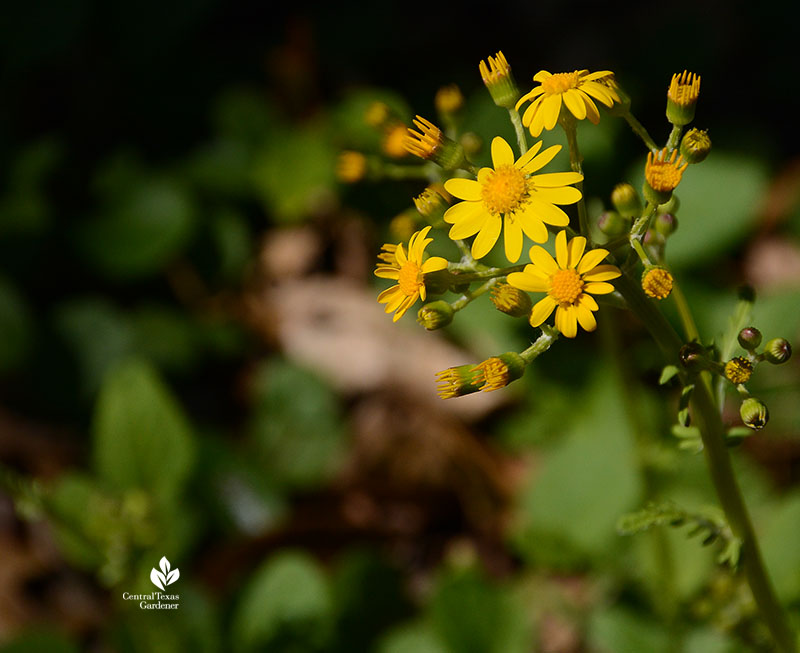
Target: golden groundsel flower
<point>351,166</point>
<point>426,141</point>
<point>684,89</point>
<point>576,90</point>
<point>664,174</point>
<point>511,198</point>
<point>569,280</point>
<point>738,370</point>
<point>393,143</point>
<point>408,271</point>
<point>657,282</point>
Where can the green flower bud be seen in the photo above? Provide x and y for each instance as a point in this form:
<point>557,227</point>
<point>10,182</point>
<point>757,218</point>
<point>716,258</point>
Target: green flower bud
<point>665,223</point>
<point>511,301</point>
<point>749,338</point>
<point>671,206</point>
<point>498,371</point>
<point>612,223</point>
<point>777,351</point>
<point>695,145</point>
<point>499,81</point>
<point>694,357</point>
<point>431,204</point>
<point>459,381</point>
<point>449,99</point>
<point>626,200</point>
<point>435,315</point>
<point>754,413</point>
<point>682,98</point>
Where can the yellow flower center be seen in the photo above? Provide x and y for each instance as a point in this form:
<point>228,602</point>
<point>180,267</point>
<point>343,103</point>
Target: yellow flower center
<point>738,370</point>
<point>504,190</point>
<point>560,83</point>
<point>657,283</point>
<point>410,278</point>
<point>664,174</point>
<point>566,286</point>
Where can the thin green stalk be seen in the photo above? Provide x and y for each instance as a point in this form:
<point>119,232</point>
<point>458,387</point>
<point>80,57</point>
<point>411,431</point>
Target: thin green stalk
<point>542,344</point>
<point>468,296</point>
<point>712,432</point>
<point>685,313</point>
<point>488,273</point>
<point>522,139</point>
<point>570,127</point>
<point>674,137</point>
<point>640,131</point>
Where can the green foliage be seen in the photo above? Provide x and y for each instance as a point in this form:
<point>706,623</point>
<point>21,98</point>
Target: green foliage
<point>15,325</point>
<point>40,642</point>
<point>413,638</point>
<point>781,554</point>
<point>141,436</point>
<point>295,428</point>
<point>286,606</point>
<point>618,629</point>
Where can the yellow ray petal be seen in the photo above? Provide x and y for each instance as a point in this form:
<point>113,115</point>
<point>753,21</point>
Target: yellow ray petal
<point>566,321</point>
<point>551,108</point>
<point>562,195</point>
<point>512,238</point>
<point>575,104</point>
<point>562,255</point>
<point>575,249</point>
<point>542,310</point>
<point>546,212</point>
<point>541,258</point>
<point>531,282</point>
<point>602,273</point>
<point>598,288</point>
<point>502,154</point>
<point>585,318</point>
<point>433,264</point>
<point>525,159</point>
<point>463,189</point>
<point>554,179</point>
<point>532,226</point>
<point>591,260</point>
<point>486,237</point>
<point>462,211</point>
<point>470,223</point>
<point>542,159</point>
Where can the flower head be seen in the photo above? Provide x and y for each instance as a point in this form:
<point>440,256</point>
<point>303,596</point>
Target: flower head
<point>351,166</point>
<point>657,282</point>
<point>449,99</point>
<point>498,371</point>
<point>409,272</point>
<point>431,143</point>
<point>458,381</point>
<point>569,280</point>
<point>393,143</point>
<point>663,174</point>
<point>511,198</point>
<point>738,370</point>
<point>576,91</point>
<point>496,75</point>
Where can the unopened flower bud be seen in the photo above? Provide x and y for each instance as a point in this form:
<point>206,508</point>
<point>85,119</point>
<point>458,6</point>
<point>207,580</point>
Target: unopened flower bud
<point>749,338</point>
<point>665,223</point>
<point>499,81</point>
<point>626,200</point>
<point>684,89</point>
<point>510,300</point>
<point>471,142</point>
<point>670,206</point>
<point>431,203</point>
<point>612,223</point>
<point>738,370</point>
<point>498,371</point>
<point>695,145</point>
<point>458,381</point>
<point>657,282</point>
<point>430,143</point>
<point>754,413</point>
<point>435,315</point>
<point>777,351</point>
<point>693,357</point>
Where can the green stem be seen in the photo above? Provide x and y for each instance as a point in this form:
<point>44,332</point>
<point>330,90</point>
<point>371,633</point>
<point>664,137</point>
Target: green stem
<point>674,137</point>
<point>542,344</point>
<point>640,131</point>
<point>570,127</point>
<point>685,313</point>
<point>522,139</point>
<point>478,275</point>
<point>468,296</point>
<point>398,172</point>
<point>712,431</point>
<point>639,249</point>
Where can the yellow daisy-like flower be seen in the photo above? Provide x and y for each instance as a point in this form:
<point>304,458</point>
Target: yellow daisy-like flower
<point>569,280</point>
<point>663,171</point>
<point>408,271</point>
<point>576,90</point>
<point>511,198</point>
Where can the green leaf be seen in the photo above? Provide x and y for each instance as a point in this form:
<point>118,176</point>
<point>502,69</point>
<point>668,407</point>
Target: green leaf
<point>472,616</point>
<point>40,642</point>
<point>141,436</point>
<point>617,629</point>
<point>139,230</point>
<point>668,373</point>
<point>296,426</point>
<point>288,601</point>
<point>412,638</point>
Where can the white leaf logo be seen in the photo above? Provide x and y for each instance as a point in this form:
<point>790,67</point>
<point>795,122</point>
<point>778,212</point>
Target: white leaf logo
<point>164,577</point>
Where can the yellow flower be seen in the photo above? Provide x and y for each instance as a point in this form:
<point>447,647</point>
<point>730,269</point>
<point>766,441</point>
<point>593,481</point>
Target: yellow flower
<point>511,198</point>
<point>569,281</point>
<point>498,79</point>
<point>408,271</point>
<point>684,89</point>
<point>351,166</point>
<point>574,90</point>
<point>393,141</point>
<point>425,142</point>
<point>657,282</point>
<point>738,370</point>
<point>664,174</point>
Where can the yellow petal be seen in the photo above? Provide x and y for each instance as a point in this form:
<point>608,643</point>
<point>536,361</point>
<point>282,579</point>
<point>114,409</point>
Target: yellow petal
<point>462,211</point>
<point>546,212</point>
<point>542,75</point>
<point>502,154</point>
<point>433,264</point>
<point>512,238</point>
<point>591,109</point>
<point>529,96</point>
<point>551,108</point>
<point>464,189</point>
<point>529,281</point>
<point>541,258</point>
<point>566,321</point>
<point>556,179</point>
<point>562,195</point>
<point>542,310</point>
<point>591,259</point>
<point>575,249</point>
<point>525,159</point>
<point>387,273</point>
<point>598,288</point>
<point>575,104</point>
<point>532,226</point>
<point>587,301</point>
<point>602,273</point>
<point>542,159</point>
<point>387,294</point>
<point>400,255</point>
<point>470,223</point>
<point>599,92</point>
<point>487,237</point>
<point>561,250</point>
<point>585,318</point>
<point>537,117</point>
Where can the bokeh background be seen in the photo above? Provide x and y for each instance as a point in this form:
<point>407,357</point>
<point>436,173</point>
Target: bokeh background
<point>193,364</point>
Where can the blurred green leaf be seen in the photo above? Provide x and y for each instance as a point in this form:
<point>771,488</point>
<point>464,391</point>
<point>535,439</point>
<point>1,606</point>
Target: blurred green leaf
<point>413,638</point>
<point>586,482</point>
<point>141,436</point>
<point>296,425</point>
<point>99,336</point>
<point>779,545</point>
<point>286,603</point>
<point>472,616</point>
<point>165,336</point>
<point>617,629</point>
<point>140,229</point>
<point>16,327</point>
<point>294,172</point>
